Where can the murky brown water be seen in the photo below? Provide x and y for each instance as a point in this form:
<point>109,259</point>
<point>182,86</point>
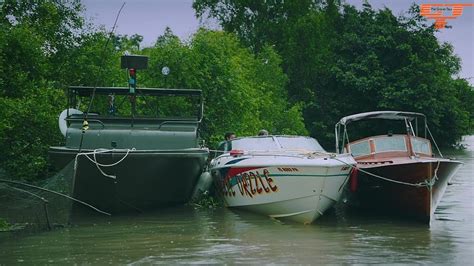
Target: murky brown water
<point>185,235</point>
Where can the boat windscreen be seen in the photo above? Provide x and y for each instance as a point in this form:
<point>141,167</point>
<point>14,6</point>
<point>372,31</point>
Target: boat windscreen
<point>360,148</point>
<point>255,144</point>
<point>390,143</point>
<point>277,143</point>
<point>299,143</point>
<point>421,145</point>
<point>143,106</point>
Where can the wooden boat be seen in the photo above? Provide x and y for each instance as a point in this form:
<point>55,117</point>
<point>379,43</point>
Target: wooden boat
<point>397,173</point>
<point>285,177</point>
<point>129,153</point>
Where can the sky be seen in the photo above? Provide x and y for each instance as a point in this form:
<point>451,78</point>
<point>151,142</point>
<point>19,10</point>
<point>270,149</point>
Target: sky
<point>149,18</point>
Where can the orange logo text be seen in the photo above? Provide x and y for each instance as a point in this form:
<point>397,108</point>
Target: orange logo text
<point>442,12</point>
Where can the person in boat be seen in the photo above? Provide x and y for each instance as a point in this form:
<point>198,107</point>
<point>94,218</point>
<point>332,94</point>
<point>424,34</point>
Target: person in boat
<point>263,132</point>
<point>228,136</point>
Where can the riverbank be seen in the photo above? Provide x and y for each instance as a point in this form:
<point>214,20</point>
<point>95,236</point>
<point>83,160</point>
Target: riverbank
<point>4,225</point>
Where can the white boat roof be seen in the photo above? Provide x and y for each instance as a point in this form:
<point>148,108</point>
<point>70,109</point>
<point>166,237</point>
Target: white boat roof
<point>390,115</point>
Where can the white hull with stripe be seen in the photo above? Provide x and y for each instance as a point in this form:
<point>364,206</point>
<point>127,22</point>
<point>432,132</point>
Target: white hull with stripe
<point>297,187</point>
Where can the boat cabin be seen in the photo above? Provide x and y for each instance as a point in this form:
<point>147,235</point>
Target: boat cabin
<point>381,146</point>
<point>148,119</point>
<point>407,144</point>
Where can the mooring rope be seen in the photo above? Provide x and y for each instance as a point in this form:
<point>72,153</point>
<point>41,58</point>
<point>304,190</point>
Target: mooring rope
<point>333,156</point>
<point>431,183</point>
<point>99,165</point>
<point>303,153</point>
<point>425,183</point>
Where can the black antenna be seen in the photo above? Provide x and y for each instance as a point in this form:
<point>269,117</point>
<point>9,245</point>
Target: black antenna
<point>85,124</point>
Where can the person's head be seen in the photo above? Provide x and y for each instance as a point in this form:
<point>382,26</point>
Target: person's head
<point>263,132</point>
<point>229,136</point>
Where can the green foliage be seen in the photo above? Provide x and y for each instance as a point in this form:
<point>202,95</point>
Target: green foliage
<point>255,22</point>
<point>28,126</point>
<point>4,225</point>
<point>44,46</point>
<point>129,43</point>
<point>277,62</point>
<point>243,92</point>
<point>34,37</point>
<point>21,61</point>
<point>340,61</point>
<point>206,201</point>
<point>94,62</point>
<point>45,32</point>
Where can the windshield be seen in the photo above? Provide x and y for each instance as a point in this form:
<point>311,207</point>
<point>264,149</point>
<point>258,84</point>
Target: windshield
<point>421,145</point>
<point>146,103</point>
<point>275,143</point>
<point>360,148</point>
<point>255,144</point>
<point>390,143</point>
<point>299,143</point>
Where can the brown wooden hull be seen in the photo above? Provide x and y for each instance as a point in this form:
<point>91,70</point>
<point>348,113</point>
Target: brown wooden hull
<point>401,199</point>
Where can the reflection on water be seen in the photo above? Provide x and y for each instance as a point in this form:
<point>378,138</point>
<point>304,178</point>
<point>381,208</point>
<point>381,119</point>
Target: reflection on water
<point>185,235</point>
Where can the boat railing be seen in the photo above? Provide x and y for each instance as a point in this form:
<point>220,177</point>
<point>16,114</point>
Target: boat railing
<point>88,120</point>
<point>177,122</point>
<point>157,120</point>
<point>274,154</point>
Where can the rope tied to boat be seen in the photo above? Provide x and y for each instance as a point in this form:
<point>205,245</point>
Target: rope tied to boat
<point>426,183</point>
<point>301,154</point>
<point>99,165</point>
<point>430,183</point>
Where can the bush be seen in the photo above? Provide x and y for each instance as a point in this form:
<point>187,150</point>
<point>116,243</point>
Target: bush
<point>28,126</point>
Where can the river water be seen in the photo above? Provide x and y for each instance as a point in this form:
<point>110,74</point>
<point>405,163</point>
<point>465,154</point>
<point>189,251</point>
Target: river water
<point>210,236</point>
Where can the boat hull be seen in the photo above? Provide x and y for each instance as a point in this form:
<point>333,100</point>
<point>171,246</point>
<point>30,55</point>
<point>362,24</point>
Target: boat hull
<point>401,199</point>
<point>139,180</point>
<point>286,188</point>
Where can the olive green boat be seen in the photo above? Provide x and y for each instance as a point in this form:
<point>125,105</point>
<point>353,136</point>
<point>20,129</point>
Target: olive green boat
<point>129,154</point>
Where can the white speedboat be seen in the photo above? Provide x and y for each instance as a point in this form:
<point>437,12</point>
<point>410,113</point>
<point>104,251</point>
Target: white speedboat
<point>285,177</point>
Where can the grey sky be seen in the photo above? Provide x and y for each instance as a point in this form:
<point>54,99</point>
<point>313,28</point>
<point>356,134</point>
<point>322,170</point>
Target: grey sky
<point>149,18</point>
